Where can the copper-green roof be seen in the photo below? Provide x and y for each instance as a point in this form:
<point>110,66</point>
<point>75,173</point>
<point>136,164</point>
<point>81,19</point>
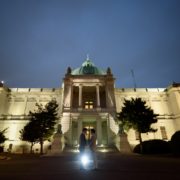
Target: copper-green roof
<point>88,68</point>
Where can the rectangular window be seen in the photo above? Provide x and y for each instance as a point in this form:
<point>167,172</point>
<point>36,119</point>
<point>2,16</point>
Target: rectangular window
<point>89,105</point>
<point>163,132</point>
<point>137,135</point>
<point>86,107</point>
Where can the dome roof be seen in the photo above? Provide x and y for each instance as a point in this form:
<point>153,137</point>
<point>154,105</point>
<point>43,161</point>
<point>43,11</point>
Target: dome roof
<point>88,68</point>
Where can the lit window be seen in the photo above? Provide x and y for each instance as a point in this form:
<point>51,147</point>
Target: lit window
<point>163,132</point>
<point>88,105</point>
<point>137,135</point>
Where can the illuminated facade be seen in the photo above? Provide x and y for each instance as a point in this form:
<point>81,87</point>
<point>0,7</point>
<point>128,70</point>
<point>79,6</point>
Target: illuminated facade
<point>88,99</point>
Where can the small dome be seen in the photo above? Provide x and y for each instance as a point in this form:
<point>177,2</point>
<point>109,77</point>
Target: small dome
<point>88,68</point>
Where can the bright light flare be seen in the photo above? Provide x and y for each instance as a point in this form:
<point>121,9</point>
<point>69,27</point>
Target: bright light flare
<point>84,160</point>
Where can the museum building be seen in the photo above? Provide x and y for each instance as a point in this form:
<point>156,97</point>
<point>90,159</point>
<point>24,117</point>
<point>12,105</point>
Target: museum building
<point>88,98</point>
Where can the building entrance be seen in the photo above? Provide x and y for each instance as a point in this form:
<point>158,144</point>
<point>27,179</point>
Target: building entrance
<point>89,126</point>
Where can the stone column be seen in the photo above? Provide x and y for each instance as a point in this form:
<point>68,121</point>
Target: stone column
<point>71,100</point>
<point>79,128</point>
<point>67,94</point>
<point>97,95</point>
<point>124,145</point>
<point>80,95</point>
<point>99,131</point>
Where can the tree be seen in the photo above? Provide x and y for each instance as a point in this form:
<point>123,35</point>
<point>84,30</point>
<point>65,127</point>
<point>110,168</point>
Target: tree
<point>135,114</point>
<point>2,136</point>
<point>28,133</point>
<point>175,143</point>
<point>41,125</point>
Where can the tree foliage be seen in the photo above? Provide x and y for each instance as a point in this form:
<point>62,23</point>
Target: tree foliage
<point>135,114</point>
<point>41,125</point>
<point>2,136</point>
<point>175,143</point>
<point>29,134</point>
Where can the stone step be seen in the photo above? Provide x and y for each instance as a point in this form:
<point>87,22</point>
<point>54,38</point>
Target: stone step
<point>101,149</point>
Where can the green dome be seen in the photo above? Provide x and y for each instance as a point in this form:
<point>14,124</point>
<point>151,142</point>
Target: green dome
<point>88,67</point>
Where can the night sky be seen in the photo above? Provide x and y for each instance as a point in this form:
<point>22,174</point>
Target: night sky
<point>39,39</point>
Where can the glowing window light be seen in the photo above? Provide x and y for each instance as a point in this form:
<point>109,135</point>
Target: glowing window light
<point>89,105</point>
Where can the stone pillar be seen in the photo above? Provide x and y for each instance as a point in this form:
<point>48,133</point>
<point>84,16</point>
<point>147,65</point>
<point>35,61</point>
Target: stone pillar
<point>57,144</point>
<point>67,94</point>
<point>79,128</point>
<point>80,95</point>
<point>108,130</point>
<point>97,95</point>
<point>124,145</point>
<point>71,100</point>
<point>99,131</point>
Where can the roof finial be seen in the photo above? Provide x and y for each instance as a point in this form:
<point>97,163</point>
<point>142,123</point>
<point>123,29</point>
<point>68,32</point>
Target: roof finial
<point>87,57</point>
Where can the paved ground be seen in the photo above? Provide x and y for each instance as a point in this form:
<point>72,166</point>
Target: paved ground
<point>111,166</point>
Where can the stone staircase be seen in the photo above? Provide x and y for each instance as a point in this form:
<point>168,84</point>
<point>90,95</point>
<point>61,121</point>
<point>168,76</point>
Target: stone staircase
<point>99,149</point>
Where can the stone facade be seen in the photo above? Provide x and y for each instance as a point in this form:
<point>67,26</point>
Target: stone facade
<point>87,99</point>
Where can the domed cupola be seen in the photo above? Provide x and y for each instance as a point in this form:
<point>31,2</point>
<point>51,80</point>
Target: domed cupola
<point>88,68</point>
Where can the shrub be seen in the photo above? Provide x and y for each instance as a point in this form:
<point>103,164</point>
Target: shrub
<point>155,146</point>
<point>1,149</point>
<point>175,142</point>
